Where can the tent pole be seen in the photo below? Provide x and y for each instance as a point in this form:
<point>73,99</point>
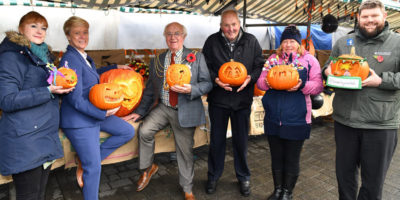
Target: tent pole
<point>244,13</point>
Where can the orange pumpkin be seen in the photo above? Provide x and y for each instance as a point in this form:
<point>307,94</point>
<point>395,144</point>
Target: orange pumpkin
<point>106,96</point>
<point>69,80</point>
<point>282,77</point>
<point>131,84</point>
<point>350,65</point>
<point>258,92</point>
<point>232,73</point>
<point>178,74</point>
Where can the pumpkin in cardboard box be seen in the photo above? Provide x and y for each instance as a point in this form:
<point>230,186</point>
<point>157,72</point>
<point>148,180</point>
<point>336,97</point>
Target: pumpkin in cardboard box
<point>232,73</point>
<point>106,96</point>
<point>350,65</point>
<point>131,84</point>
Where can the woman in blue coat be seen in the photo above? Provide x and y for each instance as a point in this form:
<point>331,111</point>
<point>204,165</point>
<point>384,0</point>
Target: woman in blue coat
<point>81,121</point>
<point>29,140</point>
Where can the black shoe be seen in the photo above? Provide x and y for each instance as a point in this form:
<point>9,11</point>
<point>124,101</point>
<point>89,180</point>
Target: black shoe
<point>211,187</point>
<point>244,188</point>
<point>277,193</point>
<point>286,195</point>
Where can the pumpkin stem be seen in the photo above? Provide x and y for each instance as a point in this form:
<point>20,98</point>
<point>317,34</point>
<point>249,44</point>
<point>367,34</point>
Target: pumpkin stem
<point>232,60</point>
<point>353,51</point>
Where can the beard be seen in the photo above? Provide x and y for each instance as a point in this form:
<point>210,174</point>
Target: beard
<point>379,28</point>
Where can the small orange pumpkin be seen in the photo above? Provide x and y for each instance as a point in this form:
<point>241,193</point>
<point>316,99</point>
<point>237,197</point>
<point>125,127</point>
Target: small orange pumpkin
<point>282,77</point>
<point>69,80</point>
<point>232,73</point>
<point>350,65</point>
<point>106,96</point>
<point>131,84</point>
<point>178,74</point>
<point>258,92</point>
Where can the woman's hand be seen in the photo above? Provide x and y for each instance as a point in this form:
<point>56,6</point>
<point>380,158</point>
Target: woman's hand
<point>112,111</point>
<point>132,116</point>
<point>124,67</point>
<point>296,87</point>
<point>59,89</point>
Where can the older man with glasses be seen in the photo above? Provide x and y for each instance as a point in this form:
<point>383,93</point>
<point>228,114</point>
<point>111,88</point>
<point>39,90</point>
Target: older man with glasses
<point>178,106</point>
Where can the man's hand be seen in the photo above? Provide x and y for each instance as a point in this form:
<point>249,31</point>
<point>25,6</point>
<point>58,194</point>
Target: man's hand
<point>223,85</point>
<point>373,80</point>
<point>328,70</point>
<point>185,89</point>
<point>247,81</point>
<point>296,87</point>
<point>132,116</point>
<point>124,67</point>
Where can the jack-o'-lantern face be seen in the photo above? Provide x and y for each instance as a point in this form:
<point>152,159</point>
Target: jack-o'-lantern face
<point>106,96</point>
<point>69,78</point>
<point>232,73</point>
<point>282,77</point>
<point>131,84</point>
<point>350,65</point>
<point>178,74</point>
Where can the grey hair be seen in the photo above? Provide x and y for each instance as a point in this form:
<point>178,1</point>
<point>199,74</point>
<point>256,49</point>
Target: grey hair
<point>178,24</point>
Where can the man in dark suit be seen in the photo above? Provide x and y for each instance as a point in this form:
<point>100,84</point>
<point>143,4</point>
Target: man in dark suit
<point>226,101</point>
<point>179,106</point>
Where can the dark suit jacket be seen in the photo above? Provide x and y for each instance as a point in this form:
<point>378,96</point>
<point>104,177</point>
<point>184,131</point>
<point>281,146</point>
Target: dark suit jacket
<point>190,107</point>
<point>76,109</point>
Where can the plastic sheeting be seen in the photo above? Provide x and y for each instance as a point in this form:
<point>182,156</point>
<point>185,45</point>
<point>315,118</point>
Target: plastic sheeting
<point>321,40</point>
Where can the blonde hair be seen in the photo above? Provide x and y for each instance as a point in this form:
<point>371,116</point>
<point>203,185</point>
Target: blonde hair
<point>32,17</point>
<point>73,22</point>
<point>300,50</point>
<point>182,27</point>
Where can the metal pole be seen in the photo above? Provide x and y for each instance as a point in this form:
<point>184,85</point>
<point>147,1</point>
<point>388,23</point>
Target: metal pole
<point>244,13</point>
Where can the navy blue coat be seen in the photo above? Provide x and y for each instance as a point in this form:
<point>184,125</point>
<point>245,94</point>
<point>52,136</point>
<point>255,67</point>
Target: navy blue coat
<point>29,124</point>
<point>76,109</point>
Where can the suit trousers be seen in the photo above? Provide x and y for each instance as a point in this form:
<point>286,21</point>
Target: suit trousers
<point>371,151</point>
<point>157,120</point>
<point>240,122</point>
<point>86,142</point>
<point>31,184</point>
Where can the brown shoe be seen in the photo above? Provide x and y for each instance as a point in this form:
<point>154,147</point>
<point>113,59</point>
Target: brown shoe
<point>189,196</point>
<point>79,172</point>
<point>146,176</point>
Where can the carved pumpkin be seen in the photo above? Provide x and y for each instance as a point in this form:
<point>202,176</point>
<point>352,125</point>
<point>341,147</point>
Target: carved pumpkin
<point>178,74</point>
<point>69,80</point>
<point>232,73</point>
<point>350,65</point>
<point>282,77</point>
<point>106,96</point>
<point>131,84</point>
<point>258,92</point>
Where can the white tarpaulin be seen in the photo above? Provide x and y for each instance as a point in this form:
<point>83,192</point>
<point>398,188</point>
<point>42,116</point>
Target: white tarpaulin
<point>118,30</point>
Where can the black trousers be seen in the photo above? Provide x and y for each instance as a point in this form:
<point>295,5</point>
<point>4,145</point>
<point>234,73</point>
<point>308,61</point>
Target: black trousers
<point>371,151</point>
<point>31,184</point>
<point>240,121</point>
<point>285,154</point>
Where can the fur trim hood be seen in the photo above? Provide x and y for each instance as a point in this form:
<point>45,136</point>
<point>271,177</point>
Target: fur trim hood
<point>18,38</point>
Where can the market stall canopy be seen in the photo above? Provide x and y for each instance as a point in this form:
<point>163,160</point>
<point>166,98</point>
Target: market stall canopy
<point>280,11</point>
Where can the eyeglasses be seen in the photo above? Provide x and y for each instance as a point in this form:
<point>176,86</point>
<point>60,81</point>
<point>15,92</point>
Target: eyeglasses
<point>176,34</point>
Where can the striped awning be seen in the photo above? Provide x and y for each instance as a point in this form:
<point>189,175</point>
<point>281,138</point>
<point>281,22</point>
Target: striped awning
<point>281,11</point>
